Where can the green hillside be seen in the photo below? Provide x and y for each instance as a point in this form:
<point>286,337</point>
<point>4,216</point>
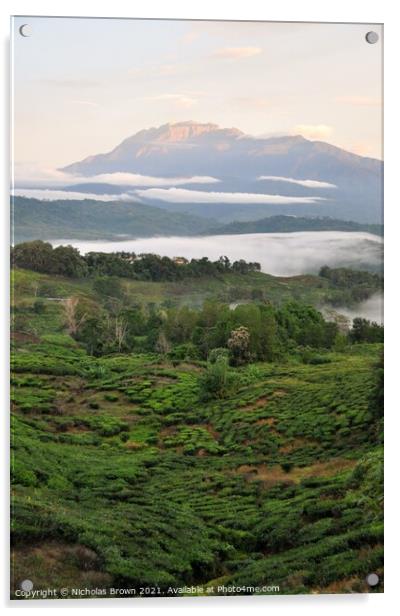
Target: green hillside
<point>290,224</point>
<point>184,459</point>
<point>91,219</point>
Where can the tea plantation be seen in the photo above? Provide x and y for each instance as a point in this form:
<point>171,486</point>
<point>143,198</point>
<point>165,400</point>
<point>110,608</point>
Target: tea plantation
<point>124,474</point>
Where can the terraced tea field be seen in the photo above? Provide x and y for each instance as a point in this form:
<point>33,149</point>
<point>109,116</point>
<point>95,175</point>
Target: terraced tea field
<point>123,475</point>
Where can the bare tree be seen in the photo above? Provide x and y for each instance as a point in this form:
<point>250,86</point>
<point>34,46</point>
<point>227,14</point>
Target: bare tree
<point>121,328</point>
<point>72,319</point>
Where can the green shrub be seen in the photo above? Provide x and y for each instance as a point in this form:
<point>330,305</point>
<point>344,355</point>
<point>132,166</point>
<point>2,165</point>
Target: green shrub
<point>111,397</point>
<point>218,381</point>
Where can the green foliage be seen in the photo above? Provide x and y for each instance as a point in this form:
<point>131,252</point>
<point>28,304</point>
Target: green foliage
<point>365,331</point>
<point>355,286</point>
<point>39,306</point>
<point>184,352</point>
<point>41,257</point>
<point>66,261</point>
<point>305,326</point>
<point>218,381</point>
<point>218,354</point>
<point>109,287</point>
<point>378,391</point>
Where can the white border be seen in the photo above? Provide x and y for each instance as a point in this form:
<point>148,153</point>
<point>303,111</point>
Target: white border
<point>366,11</point>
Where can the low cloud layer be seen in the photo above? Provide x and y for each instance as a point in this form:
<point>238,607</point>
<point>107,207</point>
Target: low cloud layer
<point>371,309</point>
<point>50,194</point>
<point>34,175</point>
<point>183,195</point>
<point>307,183</point>
<point>135,179</point>
<point>281,254</point>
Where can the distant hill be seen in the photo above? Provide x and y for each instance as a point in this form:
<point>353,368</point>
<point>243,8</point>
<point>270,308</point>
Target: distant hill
<point>348,186</point>
<point>89,219</point>
<point>286,224</point>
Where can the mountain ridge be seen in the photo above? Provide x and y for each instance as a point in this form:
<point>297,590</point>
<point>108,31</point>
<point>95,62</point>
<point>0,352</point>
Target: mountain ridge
<point>293,224</point>
<point>240,164</point>
<point>180,132</point>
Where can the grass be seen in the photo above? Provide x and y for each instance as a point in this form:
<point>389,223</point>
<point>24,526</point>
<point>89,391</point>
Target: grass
<point>233,287</point>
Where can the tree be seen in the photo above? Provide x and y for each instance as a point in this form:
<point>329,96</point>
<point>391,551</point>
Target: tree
<point>108,287</point>
<point>72,318</point>
<point>217,381</point>
<point>121,327</point>
<point>162,344</point>
<point>268,335</point>
<point>180,323</point>
<point>93,333</point>
<point>41,257</point>
<point>36,255</point>
<point>261,324</point>
<point>376,404</point>
<point>364,330</point>
<point>239,345</point>
<point>67,261</point>
<point>305,326</point>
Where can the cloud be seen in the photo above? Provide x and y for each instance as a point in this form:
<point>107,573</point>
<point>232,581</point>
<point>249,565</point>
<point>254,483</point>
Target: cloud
<point>33,175</point>
<point>183,195</point>
<point>274,251</point>
<point>359,101</point>
<point>54,195</point>
<point>306,183</point>
<point>311,131</point>
<point>85,103</point>
<point>134,179</point>
<point>371,309</point>
<point>236,53</point>
<point>182,101</point>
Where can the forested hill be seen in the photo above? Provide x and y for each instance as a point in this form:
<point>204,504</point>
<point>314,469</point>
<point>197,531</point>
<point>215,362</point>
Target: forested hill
<point>286,224</point>
<point>92,219</point>
<point>229,280</point>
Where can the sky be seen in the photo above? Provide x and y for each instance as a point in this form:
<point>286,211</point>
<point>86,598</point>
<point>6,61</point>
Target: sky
<point>81,86</point>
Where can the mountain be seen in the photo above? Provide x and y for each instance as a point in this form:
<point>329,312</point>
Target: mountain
<point>90,219</point>
<point>349,185</point>
<point>289,224</point>
<point>156,151</point>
